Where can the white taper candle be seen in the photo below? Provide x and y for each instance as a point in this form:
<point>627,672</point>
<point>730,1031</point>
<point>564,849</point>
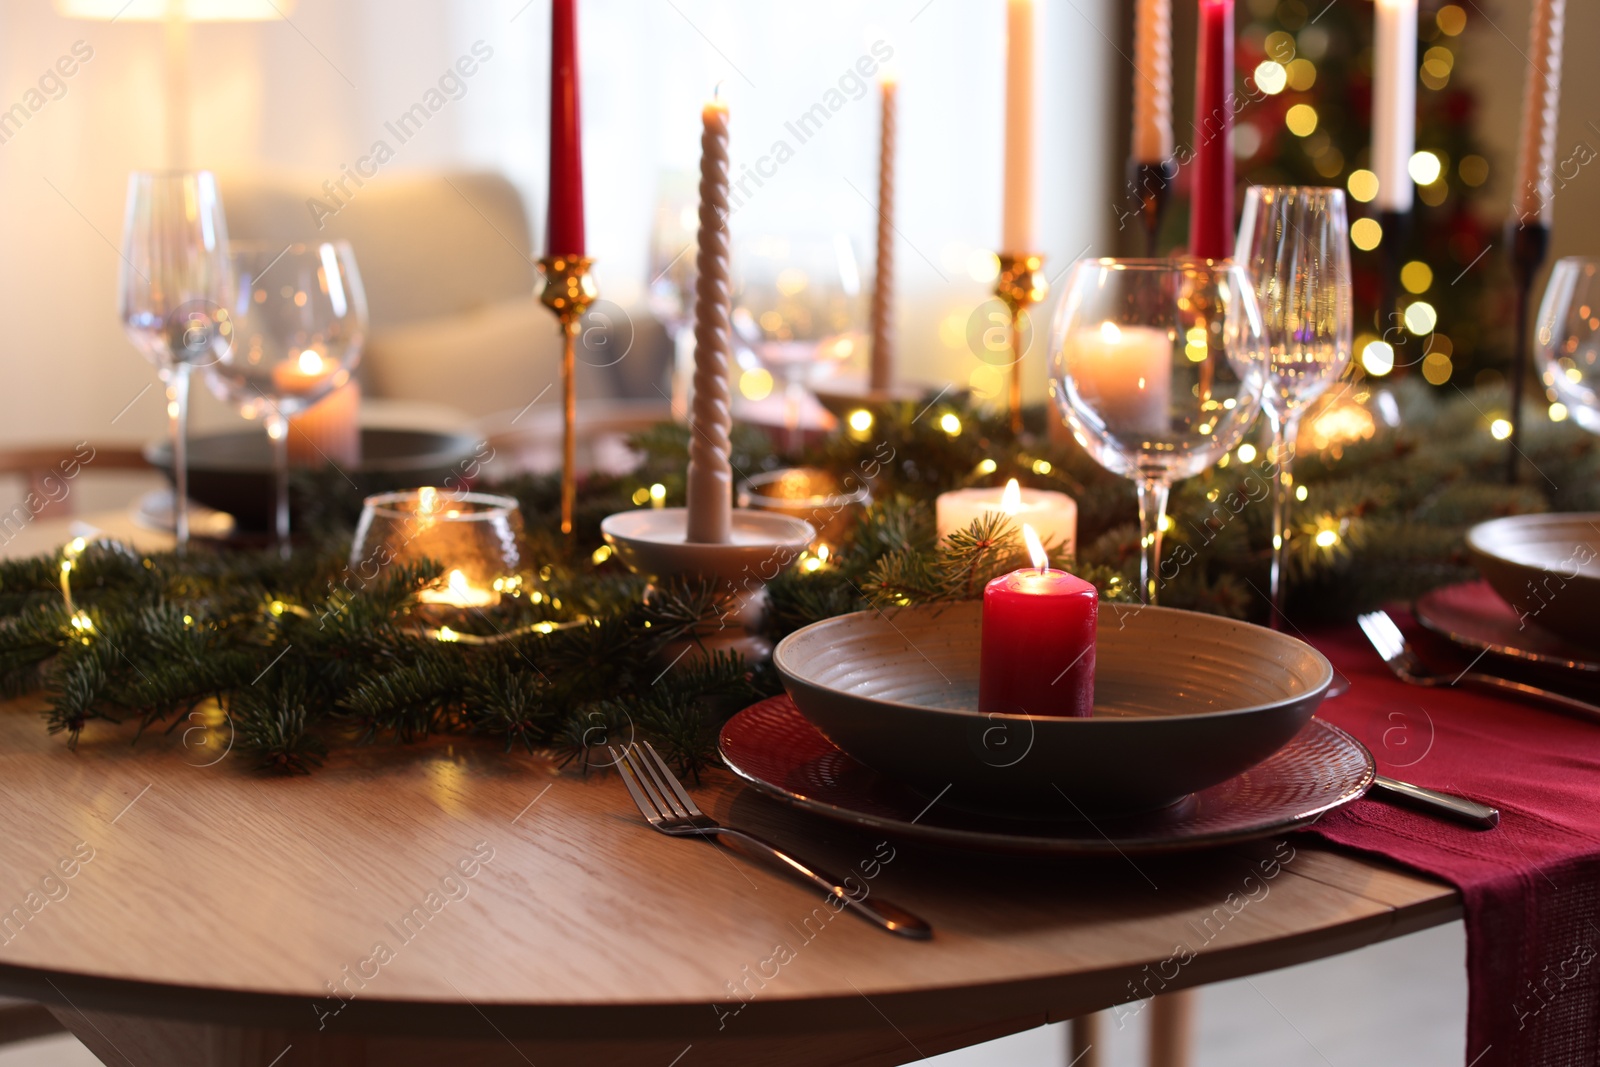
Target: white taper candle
<point>1533,198</point>
<point>1394,102</point>
<point>882,366</point>
<point>710,480</point>
<point>1016,227</point>
<point>1152,81</point>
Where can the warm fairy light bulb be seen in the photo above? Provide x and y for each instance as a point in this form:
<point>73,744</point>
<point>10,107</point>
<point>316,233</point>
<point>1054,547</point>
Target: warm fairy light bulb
<point>1035,547</point>
<point>1011,499</point>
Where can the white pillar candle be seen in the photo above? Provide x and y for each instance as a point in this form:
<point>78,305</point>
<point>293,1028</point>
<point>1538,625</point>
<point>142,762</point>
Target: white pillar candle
<point>1125,374</point>
<point>1053,516</point>
<point>709,488</point>
<point>1016,227</point>
<point>1394,102</point>
<point>1536,153</point>
<point>1152,81</point>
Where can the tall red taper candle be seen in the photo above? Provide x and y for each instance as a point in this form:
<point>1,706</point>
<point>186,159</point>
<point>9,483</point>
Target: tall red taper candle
<point>564,234</point>
<point>1211,196</point>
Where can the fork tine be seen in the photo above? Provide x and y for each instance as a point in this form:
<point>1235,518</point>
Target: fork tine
<point>636,763</point>
<point>648,810</point>
<point>651,765</point>
<point>672,779</point>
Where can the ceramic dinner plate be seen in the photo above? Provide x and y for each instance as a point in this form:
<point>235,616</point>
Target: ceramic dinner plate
<point>772,746</point>
<point>1547,567</point>
<point>1473,615</point>
<point>1182,701</point>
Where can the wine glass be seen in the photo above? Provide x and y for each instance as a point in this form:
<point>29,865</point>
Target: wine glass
<point>1294,242</point>
<point>173,293</point>
<point>672,272</point>
<point>1568,338</point>
<point>1157,366</point>
<point>795,301</point>
<point>299,319</point>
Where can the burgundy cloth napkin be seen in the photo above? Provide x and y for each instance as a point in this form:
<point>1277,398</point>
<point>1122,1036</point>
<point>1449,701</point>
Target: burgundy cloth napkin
<point>1531,887</point>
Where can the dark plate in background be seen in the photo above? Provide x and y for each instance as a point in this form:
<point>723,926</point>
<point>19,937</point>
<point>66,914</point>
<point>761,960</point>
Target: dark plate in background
<point>232,471</point>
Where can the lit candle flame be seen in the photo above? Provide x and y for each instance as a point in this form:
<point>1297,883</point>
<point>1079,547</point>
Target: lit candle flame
<point>458,585</point>
<point>1011,499</point>
<point>1035,547</point>
<point>1110,332</point>
<point>310,362</point>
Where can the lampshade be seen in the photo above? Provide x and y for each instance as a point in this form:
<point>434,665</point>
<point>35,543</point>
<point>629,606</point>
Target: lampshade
<point>188,10</point>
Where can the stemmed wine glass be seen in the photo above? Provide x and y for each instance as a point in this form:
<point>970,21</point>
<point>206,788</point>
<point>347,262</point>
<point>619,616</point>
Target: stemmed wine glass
<point>794,303</point>
<point>1294,241</point>
<point>299,320</point>
<point>1157,366</point>
<point>1568,337</point>
<point>173,295</point>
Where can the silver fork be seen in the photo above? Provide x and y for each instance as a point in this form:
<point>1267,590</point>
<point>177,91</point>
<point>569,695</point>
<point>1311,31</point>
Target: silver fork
<point>667,807</point>
<point>1391,645</point>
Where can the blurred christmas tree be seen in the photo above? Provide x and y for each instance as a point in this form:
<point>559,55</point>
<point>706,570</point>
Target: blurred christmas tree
<point>1316,129</point>
<point>1307,120</point>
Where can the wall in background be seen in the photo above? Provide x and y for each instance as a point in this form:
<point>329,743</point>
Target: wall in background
<point>307,96</point>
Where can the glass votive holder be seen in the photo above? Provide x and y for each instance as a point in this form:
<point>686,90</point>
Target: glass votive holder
<point>814,495</point>
<point>475,537</point>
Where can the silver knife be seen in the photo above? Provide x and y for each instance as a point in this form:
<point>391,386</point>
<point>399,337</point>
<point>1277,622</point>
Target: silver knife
<point>1448,805</point>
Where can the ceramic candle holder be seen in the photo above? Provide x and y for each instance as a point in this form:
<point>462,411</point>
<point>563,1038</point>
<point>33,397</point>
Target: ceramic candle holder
<point>761,545</point>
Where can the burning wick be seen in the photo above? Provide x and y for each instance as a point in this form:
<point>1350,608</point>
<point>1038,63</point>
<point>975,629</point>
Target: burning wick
<point>1035,547</point>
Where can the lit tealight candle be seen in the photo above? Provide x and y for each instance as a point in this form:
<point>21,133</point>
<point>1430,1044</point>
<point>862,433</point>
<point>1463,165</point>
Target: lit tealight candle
<point>1037,654</point>
<point>459,592</point>
<point>1053,516</point>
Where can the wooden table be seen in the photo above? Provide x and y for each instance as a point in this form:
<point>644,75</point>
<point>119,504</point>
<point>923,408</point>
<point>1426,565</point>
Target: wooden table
<point>214,916</point>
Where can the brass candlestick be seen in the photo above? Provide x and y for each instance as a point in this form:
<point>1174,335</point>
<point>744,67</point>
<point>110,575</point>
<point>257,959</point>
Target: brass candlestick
<point>568,291</point>
<point>1021,284</point>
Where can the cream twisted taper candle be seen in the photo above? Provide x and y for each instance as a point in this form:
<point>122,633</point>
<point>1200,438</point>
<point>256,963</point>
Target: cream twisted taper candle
<point>710,482</point>
<point>1152,81</point>
<point>882,366</point>
<point>1536,155</point>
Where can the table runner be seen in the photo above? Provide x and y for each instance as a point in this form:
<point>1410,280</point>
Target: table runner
<point>1531,887</point>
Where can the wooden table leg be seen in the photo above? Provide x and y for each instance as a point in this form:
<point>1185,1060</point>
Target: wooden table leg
<point>1083,1041</point>
<point>1172,1029</point>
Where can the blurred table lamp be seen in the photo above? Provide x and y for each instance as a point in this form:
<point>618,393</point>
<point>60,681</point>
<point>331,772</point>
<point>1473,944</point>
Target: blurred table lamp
<point>176,14</point>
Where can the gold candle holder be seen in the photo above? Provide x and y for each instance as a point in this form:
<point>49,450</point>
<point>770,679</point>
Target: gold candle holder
<point>1021,284</point>
<point>568,291</point>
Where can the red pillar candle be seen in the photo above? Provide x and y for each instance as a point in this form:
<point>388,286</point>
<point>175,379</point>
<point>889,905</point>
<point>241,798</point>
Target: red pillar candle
<point>1037,655</point>
<point>564,234</point>
<point>1211,198</point>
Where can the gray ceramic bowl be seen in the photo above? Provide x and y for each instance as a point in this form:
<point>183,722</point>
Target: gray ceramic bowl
<point>1182,701</point>
<point>1547,567</point>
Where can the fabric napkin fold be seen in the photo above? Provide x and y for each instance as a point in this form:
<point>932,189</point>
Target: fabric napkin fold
<point>1531,887</point>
